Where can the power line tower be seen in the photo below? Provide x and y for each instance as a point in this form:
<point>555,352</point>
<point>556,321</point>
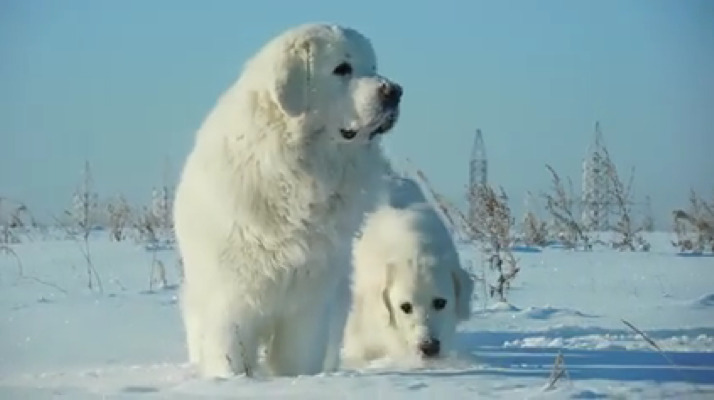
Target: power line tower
<point>162,202</point>
<point>478,170</point>
<point>595,198</point>
<point>648,223</point>
<point>85,202</point>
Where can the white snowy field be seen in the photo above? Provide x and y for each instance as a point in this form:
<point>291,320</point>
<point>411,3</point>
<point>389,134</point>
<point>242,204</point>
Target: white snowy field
<point>69,342</point>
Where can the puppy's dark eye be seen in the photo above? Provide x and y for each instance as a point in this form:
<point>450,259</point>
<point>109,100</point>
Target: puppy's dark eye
<point>343,69</point>
<point>406,307</point>
<point>439,303</point>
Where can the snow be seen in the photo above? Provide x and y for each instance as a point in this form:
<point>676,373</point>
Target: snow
<point>128,342</point>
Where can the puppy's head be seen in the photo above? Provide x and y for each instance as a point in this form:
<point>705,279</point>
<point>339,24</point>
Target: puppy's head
<point>326,76</point>
<point>425,301</point>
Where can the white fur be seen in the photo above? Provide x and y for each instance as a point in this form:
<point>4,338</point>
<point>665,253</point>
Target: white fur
<point>405,255</point>
<point>271,195</point>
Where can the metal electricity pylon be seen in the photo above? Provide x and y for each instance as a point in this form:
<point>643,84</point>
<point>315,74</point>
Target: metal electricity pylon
<point>595,200</point>
<point>478,169</point>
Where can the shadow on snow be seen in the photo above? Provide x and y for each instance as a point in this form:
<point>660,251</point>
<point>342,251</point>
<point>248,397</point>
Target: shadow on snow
<point>484,350</point>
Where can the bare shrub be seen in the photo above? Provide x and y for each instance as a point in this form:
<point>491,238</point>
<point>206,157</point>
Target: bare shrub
<point>490,219</point>
<point>535,231</point>
<point>83,216</point>
<point>560,205</point>
<point>695,227</point>
<point>155,228</point>
<point>505,275</point>
<point>491,223</point>
<point>119,213</point>
<point>489,226</point>
<point>15,220</point>
<point>621,194</point>
<point>146,226</point>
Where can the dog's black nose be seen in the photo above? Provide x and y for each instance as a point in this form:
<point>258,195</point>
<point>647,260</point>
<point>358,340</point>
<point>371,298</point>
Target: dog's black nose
<point>390,94</point>
<point>430,348</point>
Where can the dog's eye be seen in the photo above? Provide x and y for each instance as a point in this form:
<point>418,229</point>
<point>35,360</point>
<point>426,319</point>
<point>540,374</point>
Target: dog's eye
<point>406,307</point>
<point>343,69</point>
<point>439,303</point>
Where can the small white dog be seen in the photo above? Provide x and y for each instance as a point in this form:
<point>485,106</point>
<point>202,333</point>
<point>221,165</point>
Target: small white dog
<point>279,178</point>
<point>408,288</point>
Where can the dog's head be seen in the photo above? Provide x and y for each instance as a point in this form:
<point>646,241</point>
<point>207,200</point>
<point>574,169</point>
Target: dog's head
<point>425,299</point>
<point>326,76</point>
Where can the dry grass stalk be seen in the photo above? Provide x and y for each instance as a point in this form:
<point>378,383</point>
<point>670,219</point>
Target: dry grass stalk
<point>558,372</point>
<point>157,276</point>
<point>664,355</point>
<point>93,278</point>
<point>6,249</point>
<point>448,211</point>
<point>655,346</point>
<point>83,216</point>
<point>19,218</point>
<point>246,368</point>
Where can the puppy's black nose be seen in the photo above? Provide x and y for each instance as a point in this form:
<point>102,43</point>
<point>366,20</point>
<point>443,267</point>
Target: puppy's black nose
<point>390,94</point>
<point>430,348</point>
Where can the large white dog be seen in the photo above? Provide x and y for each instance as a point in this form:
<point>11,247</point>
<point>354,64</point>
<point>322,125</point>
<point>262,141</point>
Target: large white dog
<point>281,173</point>
<point>409,290</point>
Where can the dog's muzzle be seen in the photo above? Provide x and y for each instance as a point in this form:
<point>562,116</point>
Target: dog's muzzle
<point>390,94</point>
<point>430,348</point>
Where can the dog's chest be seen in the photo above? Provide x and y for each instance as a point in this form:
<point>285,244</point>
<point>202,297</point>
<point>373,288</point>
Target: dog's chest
<point>326,192</point>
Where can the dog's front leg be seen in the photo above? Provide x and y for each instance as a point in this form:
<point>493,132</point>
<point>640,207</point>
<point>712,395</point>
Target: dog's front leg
<point>338,313</point>
<point>299,342</point>
<point>228,345</point>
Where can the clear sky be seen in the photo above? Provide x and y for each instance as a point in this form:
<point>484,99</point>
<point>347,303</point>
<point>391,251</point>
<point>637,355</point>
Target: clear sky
<point>125,84</point>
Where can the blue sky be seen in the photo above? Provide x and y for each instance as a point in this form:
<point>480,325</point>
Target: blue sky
<point>126,84</point>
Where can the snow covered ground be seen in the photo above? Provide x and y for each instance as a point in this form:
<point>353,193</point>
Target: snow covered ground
<point>68,342</point>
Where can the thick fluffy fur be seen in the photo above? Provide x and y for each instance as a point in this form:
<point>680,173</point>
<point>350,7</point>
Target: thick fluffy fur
<point>404,261</point>
<point>271,195</point>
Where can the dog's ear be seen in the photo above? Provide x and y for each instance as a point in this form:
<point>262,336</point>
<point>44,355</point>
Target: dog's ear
<point>292,78</point>
<point>463,289</point>
<point>385,294</point>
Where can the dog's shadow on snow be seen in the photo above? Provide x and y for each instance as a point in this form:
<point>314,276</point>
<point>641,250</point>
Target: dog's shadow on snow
<point>482,353</point>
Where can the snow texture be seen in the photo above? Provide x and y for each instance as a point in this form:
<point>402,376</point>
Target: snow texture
<point>128,342</point>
